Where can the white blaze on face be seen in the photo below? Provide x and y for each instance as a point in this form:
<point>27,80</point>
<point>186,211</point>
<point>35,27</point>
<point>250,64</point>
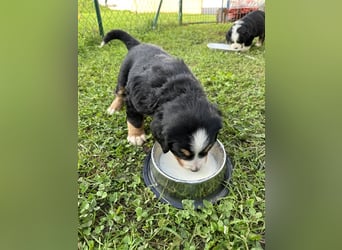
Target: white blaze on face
<point>199,140</point>
<point>235,36</point>
<point>198,143</point>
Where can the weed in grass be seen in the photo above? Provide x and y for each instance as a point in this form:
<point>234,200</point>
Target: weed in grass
<point>116,209</point>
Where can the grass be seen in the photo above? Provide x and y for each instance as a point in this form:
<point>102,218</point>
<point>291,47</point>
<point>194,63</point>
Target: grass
<point>116,209</point>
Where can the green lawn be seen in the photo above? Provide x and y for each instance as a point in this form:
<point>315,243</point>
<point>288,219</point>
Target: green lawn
<point>116,209</point>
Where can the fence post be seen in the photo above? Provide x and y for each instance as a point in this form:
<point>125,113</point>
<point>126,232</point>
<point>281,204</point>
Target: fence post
<point>98,16</point>
<point>155,20</point>
<point>180,12</point>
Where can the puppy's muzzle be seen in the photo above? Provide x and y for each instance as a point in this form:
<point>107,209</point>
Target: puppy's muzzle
<point>236,46</point>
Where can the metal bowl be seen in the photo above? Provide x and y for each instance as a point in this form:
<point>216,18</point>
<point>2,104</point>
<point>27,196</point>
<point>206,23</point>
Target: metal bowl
<point>172,189</point>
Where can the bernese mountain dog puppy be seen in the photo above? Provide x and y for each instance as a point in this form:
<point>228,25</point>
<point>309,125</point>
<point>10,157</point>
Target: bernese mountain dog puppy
<point>153,83</point>
<point>242,33</point>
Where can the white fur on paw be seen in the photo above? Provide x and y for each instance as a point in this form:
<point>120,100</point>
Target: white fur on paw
<point>137,140</point>
<point>111,110</point>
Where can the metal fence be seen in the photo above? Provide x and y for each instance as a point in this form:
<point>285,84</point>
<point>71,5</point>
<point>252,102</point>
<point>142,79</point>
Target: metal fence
<point>96,17</point>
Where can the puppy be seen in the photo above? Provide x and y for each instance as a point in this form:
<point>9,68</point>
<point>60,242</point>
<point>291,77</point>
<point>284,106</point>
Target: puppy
<point>153,83</point>
<point>241,35</point>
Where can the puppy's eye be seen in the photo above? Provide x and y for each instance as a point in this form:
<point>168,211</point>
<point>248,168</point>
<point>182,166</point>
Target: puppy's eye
<point>202,154</point>
<point>205,151</point>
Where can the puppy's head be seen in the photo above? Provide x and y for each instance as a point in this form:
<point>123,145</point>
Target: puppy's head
<point>189,133</point>
<point>238,36</point>
<point>192,152</point>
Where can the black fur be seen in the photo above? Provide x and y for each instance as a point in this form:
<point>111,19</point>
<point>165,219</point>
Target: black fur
<point>252,25</point>
<point>163,87</point>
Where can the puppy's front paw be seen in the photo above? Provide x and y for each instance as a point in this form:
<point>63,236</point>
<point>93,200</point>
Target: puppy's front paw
<point>136,136</point>
<point>136,140</point>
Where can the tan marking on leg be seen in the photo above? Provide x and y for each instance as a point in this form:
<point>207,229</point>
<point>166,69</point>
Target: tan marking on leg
<point>117,103</point>
<point>259,42</point>
<point>136,136</point>
<point>121,91</point>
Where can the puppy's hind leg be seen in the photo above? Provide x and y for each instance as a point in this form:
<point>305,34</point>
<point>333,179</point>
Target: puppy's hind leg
<point>117,102</point>
<point>260,41</point>
<point>120,91</point>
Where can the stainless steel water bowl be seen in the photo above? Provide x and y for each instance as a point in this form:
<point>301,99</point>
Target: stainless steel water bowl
<point>173,190</point>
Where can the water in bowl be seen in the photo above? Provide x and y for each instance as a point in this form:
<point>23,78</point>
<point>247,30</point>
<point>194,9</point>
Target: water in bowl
<point>170,166</point>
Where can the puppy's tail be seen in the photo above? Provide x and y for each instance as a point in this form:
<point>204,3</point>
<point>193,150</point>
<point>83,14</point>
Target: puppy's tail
<point>121,35</point>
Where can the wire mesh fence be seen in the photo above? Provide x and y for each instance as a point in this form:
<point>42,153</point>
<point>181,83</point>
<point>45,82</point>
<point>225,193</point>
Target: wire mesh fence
<point>142,15</point>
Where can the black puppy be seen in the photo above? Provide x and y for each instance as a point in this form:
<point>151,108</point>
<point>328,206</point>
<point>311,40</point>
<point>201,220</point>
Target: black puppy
<point>151,82</point>
<point>241,35</point>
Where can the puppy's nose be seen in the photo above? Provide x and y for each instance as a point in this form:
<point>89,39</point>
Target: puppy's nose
<point>195,169</point>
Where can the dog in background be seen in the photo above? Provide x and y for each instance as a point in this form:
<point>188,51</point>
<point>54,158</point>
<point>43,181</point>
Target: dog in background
<point>242,33</point>
<point>153,83</point>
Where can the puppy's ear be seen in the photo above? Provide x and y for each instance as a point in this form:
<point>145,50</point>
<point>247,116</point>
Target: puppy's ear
<point>164,145</point>
<point>217,118</point>
<point>158,129</point>
<point>242,30</point>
